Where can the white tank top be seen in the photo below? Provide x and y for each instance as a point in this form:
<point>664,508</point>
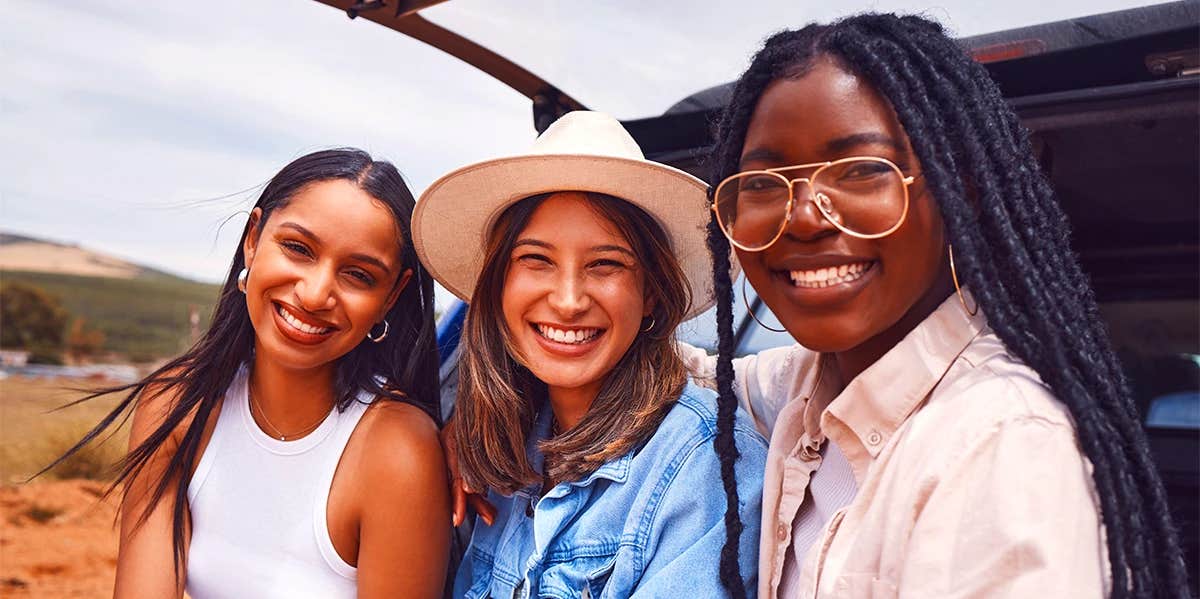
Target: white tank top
<point>258,508</point>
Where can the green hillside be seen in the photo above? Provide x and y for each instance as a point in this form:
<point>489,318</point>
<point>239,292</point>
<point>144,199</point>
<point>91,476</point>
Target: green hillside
<point>142,318</point>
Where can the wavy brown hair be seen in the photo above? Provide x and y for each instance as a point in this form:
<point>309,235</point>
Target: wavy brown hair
<point>498,398</point>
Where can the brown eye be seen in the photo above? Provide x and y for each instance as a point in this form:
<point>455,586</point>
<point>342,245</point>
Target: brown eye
<point>293,247</point>
<point>533,258</point>
<point>362,276</point>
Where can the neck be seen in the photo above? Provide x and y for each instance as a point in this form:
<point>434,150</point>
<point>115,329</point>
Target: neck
<point>853,362</point>
<point>571,403</point>
<point>291,399</point>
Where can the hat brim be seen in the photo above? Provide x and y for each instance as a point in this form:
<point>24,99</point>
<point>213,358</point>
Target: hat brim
<point>456,213</point>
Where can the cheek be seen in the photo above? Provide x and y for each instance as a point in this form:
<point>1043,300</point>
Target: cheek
<point>755,269</point>
<point>623,299</point>
<point>364,308</point>
<point>915,250</point>
<point>519,292</point>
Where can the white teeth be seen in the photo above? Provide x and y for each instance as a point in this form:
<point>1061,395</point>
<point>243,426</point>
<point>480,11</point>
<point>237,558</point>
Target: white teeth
<point>573,336</point>
<point>299,325</point>
<point>824,277</point>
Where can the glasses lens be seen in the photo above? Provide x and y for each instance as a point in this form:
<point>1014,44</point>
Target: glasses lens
<point>752,208</point>
<point>865,196</point>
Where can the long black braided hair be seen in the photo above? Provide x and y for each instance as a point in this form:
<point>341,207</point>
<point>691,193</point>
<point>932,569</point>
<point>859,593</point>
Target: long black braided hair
<point>1011,249</point>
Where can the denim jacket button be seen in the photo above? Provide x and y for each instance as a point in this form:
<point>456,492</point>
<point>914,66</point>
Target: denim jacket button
<point>782,532</point>
<point>874,438</point>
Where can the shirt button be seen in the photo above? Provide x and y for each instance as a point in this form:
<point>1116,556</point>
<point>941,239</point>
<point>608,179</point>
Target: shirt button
<point>874,438</point>
<point>782,532</point>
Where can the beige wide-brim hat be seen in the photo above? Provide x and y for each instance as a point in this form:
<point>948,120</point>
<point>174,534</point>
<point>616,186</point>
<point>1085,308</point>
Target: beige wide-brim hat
<point>581,151</point>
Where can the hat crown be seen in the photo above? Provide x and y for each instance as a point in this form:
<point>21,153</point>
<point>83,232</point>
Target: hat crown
<point>587,133</point>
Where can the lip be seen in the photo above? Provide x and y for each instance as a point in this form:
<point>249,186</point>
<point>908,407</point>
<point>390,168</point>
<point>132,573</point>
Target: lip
<point>566,350</point>
<point>294,334</point>
<point>821,297</point>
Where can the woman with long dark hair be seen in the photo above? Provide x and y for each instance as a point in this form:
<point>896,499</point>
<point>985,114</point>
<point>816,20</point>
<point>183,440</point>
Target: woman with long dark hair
<point>953,421</point>
<point>293,452</point>
<point>573,408</point>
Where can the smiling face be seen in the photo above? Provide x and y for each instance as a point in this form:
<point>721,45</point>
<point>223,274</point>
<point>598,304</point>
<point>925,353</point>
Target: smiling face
<point>324,269</point>
<point>573,297</point>
<point>832,291</point>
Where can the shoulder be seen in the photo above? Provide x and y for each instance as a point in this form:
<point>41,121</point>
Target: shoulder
<point>990,385</point>
<point>696,411</point>
<point>154,406</point>
<point>989,396</point>
<point>398,436</point>
<point>683,451</point>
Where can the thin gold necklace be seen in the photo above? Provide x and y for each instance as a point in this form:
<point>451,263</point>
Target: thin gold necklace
<point>282,437</point>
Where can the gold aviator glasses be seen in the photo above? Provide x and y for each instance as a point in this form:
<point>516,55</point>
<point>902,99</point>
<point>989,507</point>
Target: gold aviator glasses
<point>863,196</point>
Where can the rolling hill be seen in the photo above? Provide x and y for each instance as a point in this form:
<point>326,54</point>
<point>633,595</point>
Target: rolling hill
<point>143,312</point>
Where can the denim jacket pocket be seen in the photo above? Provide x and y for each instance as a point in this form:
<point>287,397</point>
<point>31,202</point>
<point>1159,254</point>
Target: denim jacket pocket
<point>577,578</point>
<point>598,579</point>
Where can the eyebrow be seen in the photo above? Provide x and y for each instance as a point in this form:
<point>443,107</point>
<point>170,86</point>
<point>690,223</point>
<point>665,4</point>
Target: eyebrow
<point>833,146</point>
<point>359,257</point>
<point>595,248</point>
<point>842,144</point>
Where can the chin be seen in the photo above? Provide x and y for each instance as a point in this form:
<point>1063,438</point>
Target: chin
<point>830,335</point>
<point>561,375</point>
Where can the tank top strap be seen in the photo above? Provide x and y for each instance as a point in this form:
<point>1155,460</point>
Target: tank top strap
<point>227,417</point>
<point>347,424</point>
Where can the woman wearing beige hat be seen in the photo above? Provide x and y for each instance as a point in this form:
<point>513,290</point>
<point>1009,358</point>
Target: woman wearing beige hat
<point>579,259</point>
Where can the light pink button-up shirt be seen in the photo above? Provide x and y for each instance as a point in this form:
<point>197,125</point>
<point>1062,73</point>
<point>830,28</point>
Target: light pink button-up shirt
<point>971,480</point>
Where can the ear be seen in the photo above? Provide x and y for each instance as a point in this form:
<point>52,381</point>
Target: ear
<point>253,232</point>
<point>401,283</point>
<point>649,303</point>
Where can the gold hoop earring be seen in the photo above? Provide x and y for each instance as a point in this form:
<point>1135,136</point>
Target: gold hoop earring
<point>653,321</point>
<point>750,311</point>
<point>957,287</point>
<point>386,328</point>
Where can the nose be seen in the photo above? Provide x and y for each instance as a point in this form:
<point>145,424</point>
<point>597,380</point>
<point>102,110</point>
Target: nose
<point>314,291</point>
<point>569,296</point>
<point>806,222</point>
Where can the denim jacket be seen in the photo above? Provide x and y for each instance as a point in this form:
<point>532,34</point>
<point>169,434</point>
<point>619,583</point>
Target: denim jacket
<point>647,524</point>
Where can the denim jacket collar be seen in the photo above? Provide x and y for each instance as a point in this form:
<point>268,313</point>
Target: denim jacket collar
<point>616,470</point>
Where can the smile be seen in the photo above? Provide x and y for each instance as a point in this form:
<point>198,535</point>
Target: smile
<point>295,322</point>
<point>578,336</point>
<point>832,275</point>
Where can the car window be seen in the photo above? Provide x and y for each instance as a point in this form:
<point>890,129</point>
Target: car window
<point>1158,344</point>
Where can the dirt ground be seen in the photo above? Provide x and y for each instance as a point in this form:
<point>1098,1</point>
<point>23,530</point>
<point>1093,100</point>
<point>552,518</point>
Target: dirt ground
<point>57,540</point>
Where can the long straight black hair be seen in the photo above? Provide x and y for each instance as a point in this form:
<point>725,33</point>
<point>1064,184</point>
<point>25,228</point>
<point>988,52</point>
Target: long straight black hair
<point>1011,246</point>
<point>401,367</point>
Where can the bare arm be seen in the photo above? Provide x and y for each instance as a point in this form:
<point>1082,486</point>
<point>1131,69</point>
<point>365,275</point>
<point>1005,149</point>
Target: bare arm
<point>405,524</point>
<point>145,564</point>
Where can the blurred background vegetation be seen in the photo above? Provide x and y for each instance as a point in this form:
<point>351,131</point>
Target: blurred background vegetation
<point>140,319</point>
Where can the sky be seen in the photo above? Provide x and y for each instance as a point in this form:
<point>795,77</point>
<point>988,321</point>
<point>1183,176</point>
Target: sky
<point>146,129</point>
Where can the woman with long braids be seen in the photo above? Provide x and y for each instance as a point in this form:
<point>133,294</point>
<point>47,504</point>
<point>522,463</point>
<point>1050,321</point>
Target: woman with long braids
<point>293,451</point>
<point>958,424</point>
<point>573,408</point>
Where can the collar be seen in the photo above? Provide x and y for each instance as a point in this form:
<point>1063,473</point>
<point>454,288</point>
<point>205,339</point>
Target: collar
<point>867,413</point>
<point>616,470</point>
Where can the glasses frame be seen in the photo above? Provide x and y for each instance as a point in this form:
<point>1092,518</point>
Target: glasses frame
<point>812,197</point>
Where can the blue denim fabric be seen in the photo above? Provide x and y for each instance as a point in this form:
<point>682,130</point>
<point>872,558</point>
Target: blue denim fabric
<point>648,524</point>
